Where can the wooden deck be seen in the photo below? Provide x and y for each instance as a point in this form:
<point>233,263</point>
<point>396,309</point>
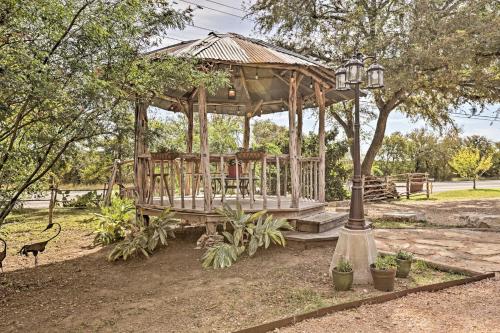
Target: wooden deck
<point>198,215</point>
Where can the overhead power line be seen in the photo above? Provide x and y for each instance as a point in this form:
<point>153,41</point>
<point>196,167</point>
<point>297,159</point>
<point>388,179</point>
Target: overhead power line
<point>224,5</point>
<point>177,39</point>
<point>213,9</point>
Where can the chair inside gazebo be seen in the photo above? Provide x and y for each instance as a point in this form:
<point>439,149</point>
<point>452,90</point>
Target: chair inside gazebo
<point>264,79</point>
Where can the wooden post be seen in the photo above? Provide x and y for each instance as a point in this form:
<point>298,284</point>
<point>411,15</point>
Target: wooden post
<point>320,100</point>
<point>299,126</point>
<point>162,182</point>
<point>285,181</point>
<point>278,181</point>
<point>172,183</point>
<point>182,181</point>
<point>205,157</point>
<point>237,178</point>
<point>222,179</point>
<point>407,186</point>
<point>250,182</point>
<point>53,198</point>
<point>140,148</point>
<point>151,181</point>
<point>427,187</point>
<point>111,182</point>
<point>246,133</point>
<point>292,110</point>
<point>189,136</point>
<point>264,182</point>
<point>194,168</point>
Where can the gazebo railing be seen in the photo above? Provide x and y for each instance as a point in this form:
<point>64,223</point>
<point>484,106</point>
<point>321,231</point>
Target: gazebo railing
<point>265,182</point>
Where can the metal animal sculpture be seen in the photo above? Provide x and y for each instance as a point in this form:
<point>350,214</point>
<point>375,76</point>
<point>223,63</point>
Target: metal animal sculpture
<point>3,254</point>
<point>39,247</point>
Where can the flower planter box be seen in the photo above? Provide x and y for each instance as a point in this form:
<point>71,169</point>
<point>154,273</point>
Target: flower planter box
<point>250,155</point>
<point>165,156</point>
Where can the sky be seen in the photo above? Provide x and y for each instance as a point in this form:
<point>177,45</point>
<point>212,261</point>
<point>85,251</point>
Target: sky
<point>225,16</point>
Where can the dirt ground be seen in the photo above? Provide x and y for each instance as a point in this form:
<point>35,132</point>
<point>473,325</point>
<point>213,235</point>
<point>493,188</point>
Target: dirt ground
<point>75,289</point>
<point>170,292</point>
<point>442,213</point>
<point>468,308</point>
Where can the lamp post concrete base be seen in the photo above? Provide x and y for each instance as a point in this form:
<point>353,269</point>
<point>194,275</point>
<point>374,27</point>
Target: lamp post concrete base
<point>358,247</point>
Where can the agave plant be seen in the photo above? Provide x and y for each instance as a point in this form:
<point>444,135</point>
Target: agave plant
<point>250,231</point>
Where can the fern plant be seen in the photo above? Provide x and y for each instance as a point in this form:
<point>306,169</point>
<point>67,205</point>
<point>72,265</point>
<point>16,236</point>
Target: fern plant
<point>250,231</point>
<point>113,221</point>
<point>144,237</point>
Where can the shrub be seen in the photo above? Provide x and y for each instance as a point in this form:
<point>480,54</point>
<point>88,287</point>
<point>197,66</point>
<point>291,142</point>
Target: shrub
<point>403,255</point>
<point>145,237</point>
<point>113,221</point>
<point>343,266</point>
<point>88,200</point>
<point>250,231</point>
<point>385,263</point>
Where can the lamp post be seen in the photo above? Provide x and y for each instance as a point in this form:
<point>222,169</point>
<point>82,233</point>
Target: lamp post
<point>356,242</point>
<point>351,76</point>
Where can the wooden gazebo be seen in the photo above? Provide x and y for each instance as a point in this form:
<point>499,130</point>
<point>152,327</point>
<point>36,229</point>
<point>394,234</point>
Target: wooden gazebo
<point>264,79</point>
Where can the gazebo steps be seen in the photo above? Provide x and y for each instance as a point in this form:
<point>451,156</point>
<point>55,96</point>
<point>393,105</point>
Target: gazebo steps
<point>320,222</point>
<point>312,239</point>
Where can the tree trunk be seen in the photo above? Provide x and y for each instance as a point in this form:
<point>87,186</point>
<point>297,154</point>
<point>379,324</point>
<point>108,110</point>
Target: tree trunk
<point>474,183</point>
<point>378,138</point>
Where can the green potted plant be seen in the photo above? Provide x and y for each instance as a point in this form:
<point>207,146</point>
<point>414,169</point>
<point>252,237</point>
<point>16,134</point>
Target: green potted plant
<point>384,273</point>
<point>342,275</point>
<point>403,260</point>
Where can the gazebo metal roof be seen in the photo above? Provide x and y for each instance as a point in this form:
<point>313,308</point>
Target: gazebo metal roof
<point>259,71</point>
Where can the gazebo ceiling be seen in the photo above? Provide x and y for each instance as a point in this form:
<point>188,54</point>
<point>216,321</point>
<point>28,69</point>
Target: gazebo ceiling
<point>259,73</point>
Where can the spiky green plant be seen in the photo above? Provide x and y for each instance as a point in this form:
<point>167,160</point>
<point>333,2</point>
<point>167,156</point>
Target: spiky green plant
<point>250,231</point>
<point>404,255</point>
<point>144,237</point>
<point>385,263</point>
<point>344,266</point>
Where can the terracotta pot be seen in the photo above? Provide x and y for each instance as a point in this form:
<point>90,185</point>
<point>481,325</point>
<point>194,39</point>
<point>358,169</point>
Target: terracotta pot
<point>383,280</point>
<point>404,267</point>
<point>342,281</point>
<point>231,170</point>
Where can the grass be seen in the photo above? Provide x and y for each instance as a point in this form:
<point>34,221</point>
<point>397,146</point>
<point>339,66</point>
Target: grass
<point>468,194</point>
<point>26,225</point>
<point>421,274</point>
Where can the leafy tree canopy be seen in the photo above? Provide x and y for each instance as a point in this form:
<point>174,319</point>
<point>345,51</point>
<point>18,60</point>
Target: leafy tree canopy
<point>436,53</point>
<point>68,70</point>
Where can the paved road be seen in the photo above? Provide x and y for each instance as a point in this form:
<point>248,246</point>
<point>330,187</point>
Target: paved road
<point>437,187</point>
<point>450,186</point>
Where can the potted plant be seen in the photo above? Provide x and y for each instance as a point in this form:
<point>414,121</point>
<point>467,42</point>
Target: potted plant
<point>231,169</point>
<point>342,275</point>
<point>384,273</point>
<point>403,260</point>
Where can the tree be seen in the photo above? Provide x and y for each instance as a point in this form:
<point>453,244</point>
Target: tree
<point>469,164</point>
<point>336,173</point>
<point>393,156</point>
<point>68,71</point>
<point>271,136</point>
<point>437,54</point>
